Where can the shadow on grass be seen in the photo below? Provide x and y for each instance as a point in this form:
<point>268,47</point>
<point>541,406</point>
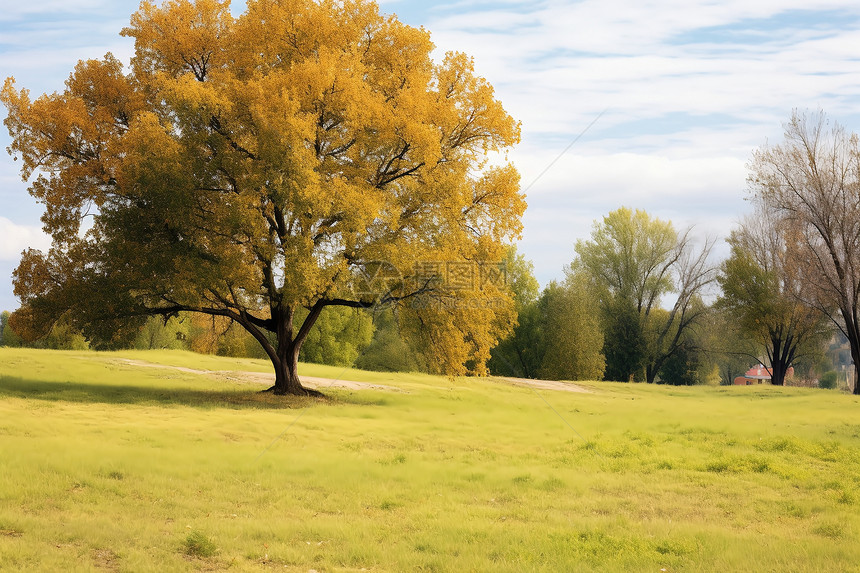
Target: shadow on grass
<point>79,392</point>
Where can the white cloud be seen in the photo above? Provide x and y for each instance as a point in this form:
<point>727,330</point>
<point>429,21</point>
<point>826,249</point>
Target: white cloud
<point>20,10</point>
<point>591,55</point>
<point>15,238</point>
<point>706,193</point>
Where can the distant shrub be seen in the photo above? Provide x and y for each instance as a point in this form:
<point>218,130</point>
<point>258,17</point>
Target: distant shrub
<point>156,333</point>
<point>828,380</point>
<point>832,530</point>
<point>63,336</point>
<point>388,351</point>
<point>198,545</point>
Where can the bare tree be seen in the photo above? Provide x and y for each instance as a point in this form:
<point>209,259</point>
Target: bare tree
<point>812,180</point>
<point>763,292</point>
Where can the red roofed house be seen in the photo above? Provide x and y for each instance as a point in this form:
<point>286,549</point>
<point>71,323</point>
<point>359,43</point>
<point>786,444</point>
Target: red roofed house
<point>759,375</point>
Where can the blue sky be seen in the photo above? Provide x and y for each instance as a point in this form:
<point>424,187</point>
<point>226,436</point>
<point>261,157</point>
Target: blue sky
<point>687,89</point>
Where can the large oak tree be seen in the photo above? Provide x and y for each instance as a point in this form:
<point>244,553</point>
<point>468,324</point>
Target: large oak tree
<point>302,155</point>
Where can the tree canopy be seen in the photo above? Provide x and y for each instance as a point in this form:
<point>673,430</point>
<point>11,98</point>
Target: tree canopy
<point>302,155</point>
<point>572,336</point>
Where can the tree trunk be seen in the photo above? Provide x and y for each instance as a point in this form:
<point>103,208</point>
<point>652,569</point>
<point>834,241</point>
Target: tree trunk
<point>285,358</point>
<point>287,381</point>
<point>855,357</point>
<point>651,373</point>
<point>781,354</point>
<point>852,332</point>
<point>777,373</point>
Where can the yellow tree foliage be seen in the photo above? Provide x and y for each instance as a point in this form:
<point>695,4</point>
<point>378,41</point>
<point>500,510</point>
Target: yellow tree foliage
<point>304,154</point>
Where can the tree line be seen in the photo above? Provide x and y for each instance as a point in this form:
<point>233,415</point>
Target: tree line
<point>787,295</point>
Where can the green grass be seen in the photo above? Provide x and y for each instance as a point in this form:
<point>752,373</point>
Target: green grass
<point>107,466</point>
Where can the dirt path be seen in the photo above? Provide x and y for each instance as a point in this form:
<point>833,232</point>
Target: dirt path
<point>267,379</point>
<point>550,385</point>
<point>264,378</point>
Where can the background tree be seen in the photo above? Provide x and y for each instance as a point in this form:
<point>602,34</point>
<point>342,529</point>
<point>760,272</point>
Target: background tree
<point>250,167</point>
<point>573,339</point>
<point>219,335</point>
<point>812,179</point>
<point>762,292</point>
<point>623,340</point>
<point>389,350</point>
<point>520,354</point>
<point>558,334</point>
<point>684,367</point>
<point>634,261</point>
<point>725,345</point>
<point>158,334</point>
<point>8,337</point>
<point>63,336</point>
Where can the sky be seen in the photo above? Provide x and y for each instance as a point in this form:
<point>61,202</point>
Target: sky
<point>649,104</point>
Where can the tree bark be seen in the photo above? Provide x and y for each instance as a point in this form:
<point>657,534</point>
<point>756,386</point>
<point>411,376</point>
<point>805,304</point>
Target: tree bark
<point>777,375</point>
<point>287,381</point>
<point>651,373</point>
<point>285,359</point>
<point>855,357</point>
<point>852,333</point>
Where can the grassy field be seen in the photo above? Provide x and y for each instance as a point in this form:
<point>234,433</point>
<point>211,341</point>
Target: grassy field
<point>110,464</point>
